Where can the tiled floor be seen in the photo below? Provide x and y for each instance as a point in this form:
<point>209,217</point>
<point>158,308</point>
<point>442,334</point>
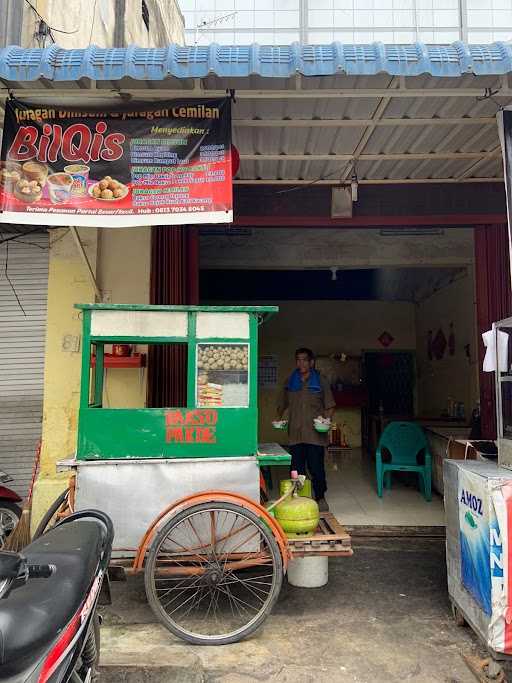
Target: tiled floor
<point>352,497</point>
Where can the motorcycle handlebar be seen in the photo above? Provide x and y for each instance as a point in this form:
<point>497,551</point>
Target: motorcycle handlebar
<point>41,571</point>
<point>45,571</point>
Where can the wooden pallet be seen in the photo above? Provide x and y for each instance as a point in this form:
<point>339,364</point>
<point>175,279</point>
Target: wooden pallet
<point>331,539</point>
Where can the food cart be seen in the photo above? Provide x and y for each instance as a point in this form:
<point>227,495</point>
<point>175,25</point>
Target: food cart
<point>182,484</point>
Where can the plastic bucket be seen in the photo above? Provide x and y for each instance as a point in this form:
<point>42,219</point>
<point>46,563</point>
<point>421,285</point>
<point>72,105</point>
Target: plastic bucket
<point>308,572</point>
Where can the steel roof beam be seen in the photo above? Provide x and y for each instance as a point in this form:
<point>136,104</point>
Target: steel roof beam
<point>304,94</point>
<point>370,157</point>
<point>367,181</point>
<point>472,168</point>
<point>361,123</point>
<point>365,138</point>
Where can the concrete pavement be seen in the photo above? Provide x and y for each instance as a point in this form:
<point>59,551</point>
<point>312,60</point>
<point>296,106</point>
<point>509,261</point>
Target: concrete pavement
<point>384,617</point>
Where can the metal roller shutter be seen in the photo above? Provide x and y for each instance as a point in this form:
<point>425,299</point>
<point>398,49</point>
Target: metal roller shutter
<point>22,338</point>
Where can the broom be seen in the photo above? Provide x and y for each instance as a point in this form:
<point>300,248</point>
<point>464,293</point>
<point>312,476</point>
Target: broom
<point>20,536</point>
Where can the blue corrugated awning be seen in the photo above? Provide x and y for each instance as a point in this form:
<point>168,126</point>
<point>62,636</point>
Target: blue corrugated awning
<point>235,61</point>
<point>437,124</point>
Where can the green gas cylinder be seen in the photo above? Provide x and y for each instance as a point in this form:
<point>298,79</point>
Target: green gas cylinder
<point>286,485</point>
<point>298,515</point>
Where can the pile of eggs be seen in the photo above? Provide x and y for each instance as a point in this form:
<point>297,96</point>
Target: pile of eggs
<point>217,357</point>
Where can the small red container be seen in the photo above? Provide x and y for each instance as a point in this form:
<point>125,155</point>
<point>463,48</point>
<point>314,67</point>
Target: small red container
<point>122,350</point>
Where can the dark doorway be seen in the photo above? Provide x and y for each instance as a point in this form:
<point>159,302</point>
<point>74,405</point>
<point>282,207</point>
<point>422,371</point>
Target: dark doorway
<point>389,380</point>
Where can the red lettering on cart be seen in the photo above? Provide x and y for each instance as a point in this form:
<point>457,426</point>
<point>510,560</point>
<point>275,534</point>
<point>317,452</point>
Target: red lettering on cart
<point>208,435</point>
<point>174,418</point>
<point>174,434</point>
<point>191,417</point>
<point>194,417</point>
<point>211,417</point>
<point>190,435</point>
<point>189,426</point>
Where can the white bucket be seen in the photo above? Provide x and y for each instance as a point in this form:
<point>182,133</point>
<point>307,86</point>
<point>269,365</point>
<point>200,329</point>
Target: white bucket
<point>308,572</point>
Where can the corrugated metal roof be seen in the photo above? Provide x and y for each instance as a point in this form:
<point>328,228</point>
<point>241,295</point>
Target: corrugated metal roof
<point>239,61</point>
<point>306,113</point>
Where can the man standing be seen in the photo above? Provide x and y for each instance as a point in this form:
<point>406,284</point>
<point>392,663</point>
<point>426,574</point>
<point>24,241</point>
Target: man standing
<point>307,395</point>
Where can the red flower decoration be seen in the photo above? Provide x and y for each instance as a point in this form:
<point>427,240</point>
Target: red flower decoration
<point>386,339</point>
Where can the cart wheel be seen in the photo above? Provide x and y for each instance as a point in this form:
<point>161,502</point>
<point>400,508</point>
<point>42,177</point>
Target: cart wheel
<point>458,617</point>
<point>213,573</point>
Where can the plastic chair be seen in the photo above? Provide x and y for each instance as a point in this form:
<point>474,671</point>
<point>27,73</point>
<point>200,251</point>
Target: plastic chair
<point>404,441</point>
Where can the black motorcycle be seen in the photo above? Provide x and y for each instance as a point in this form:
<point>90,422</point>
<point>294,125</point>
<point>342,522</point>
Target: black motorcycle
<point>49,629</point>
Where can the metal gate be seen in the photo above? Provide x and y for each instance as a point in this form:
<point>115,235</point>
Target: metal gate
<point>23,300</point>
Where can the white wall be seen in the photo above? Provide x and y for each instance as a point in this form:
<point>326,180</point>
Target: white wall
<point>290,248</point>
<point>455,376</point>
<point>123,274</point>
<point>165,24</point>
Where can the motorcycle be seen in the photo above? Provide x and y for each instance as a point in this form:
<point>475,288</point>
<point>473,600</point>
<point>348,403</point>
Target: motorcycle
<point>10,511</point>
<point>49,627</point>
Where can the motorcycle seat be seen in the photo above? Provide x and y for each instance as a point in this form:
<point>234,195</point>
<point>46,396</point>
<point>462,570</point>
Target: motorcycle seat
<point>34,615</point>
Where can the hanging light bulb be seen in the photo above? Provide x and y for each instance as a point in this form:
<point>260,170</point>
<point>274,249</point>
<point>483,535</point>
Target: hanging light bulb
<point>354,186</point>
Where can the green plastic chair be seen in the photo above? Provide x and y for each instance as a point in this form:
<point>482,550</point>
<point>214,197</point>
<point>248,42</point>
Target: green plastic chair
<point>404,441</point>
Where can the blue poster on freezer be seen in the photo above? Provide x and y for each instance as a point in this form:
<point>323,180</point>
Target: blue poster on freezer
<point>474,525</point>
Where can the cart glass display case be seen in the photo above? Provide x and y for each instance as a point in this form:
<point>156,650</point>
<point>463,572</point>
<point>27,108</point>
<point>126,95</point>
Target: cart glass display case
<point>221,415</point>
<point>222,375</point>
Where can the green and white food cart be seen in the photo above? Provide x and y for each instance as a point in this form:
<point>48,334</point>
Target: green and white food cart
<point>182,484</point>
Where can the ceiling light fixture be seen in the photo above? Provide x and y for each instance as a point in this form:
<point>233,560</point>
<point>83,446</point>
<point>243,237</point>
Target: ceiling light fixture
<point>410,232</point>
<point>354,187</point>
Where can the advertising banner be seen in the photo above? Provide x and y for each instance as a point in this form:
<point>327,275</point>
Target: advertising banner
<point>162,164</point>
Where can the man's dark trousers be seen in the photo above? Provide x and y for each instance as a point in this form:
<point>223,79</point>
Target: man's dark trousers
<point>312,456</point>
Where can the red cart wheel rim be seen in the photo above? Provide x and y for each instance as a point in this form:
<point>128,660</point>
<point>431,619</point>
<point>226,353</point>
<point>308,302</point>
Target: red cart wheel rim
<point>213,497</point>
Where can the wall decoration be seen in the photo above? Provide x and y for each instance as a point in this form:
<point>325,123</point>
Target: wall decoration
<point>439,345</point>
<point>386,339</point>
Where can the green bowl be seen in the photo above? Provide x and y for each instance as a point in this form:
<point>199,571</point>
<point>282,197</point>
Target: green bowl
<point>322,428</point>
